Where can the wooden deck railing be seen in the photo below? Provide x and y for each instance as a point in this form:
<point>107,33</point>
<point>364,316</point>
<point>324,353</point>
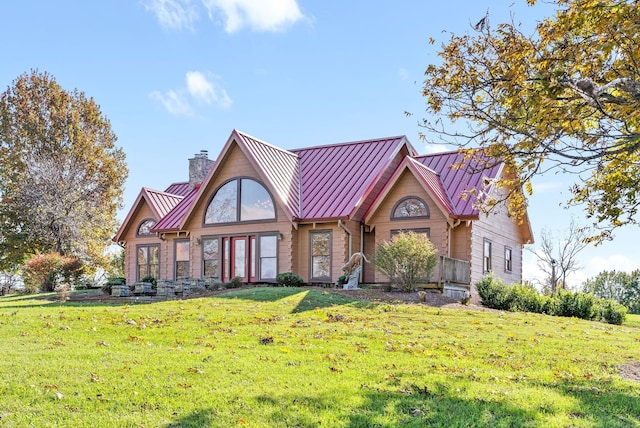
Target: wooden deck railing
<point>454,271</point>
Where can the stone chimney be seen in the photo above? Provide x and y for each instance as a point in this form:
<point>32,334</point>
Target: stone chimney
<point>199,166</point>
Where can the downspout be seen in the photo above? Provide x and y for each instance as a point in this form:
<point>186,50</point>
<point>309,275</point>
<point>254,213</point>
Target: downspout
<point>362,251</point>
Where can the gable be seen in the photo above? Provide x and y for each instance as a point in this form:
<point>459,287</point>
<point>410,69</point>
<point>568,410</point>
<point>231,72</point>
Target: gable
<point>405,185</point>
<point>236,164</point>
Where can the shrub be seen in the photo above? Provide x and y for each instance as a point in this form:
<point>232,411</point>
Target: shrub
<point>406,260</point>
<point>45,272</point>
<point>149,279</point>
<point>289,279</point>
<point>236,282</point>
<point>495,294</point>
<point>579,305</point>
<point>610,311</point>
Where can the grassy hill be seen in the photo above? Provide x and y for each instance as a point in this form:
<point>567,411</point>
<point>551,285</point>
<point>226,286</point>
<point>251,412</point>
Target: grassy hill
<point>294,357</point>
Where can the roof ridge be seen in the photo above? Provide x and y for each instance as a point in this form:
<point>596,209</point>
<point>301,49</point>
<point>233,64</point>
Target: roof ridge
<point>347,143</point>
<point>148,189</point>
<point>280,149</point>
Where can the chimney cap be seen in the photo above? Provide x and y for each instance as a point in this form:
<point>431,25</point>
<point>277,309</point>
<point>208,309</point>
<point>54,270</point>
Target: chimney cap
<point>202,154</point>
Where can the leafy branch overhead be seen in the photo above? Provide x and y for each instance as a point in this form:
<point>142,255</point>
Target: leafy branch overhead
<point>62,175</point>
<point>565,99</point>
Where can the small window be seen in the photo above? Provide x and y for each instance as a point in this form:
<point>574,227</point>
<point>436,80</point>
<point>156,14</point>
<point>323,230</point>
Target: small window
<point>425,231</point>
<point>410,207</point>
<point>182,259</point>
<point>320,252</point>
<point>145,227</point>
<point>211,258</point>
<point>508,259</point>
<point>487,256</point>
<point>241,199</point>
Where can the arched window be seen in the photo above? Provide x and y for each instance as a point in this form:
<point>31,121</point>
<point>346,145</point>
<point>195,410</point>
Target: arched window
<point>145,227</point>
<point>410,207</point>
<point>241,199</point>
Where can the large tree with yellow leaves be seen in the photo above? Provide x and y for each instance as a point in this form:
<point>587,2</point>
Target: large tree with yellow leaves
<point>564,99</point>
<point>61,175</point>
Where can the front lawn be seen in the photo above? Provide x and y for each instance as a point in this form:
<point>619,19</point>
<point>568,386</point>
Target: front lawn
<point>286,357</point>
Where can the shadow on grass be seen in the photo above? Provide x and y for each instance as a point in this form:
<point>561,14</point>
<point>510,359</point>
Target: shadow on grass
<point>312,299</point>
<point>420,408</point>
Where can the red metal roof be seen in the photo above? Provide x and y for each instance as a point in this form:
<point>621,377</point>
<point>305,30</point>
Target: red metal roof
<point>180,189</point>
<point>280,169</point>
<point>433,182</point>
<point>334,178</point>
<point>459,180</point>
<point>173,220</point>
<point>161,202</point>
<point>334,181</point>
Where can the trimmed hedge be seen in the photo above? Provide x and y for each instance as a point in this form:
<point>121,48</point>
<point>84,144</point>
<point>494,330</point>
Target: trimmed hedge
<point>497,295</point>
<point>288,279</point>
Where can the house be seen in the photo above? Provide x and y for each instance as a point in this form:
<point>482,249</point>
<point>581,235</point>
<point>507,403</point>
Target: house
<point>259,210</point>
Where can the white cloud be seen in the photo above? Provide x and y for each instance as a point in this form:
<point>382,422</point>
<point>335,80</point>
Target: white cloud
<point>173,14</point>
<point>206,91</point>
<point>175,102</point>
<point>199,89</point>
<point>258,15</point>
<point>403,73</point>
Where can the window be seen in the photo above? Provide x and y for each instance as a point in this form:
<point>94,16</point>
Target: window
<point>145,227</point>
<point>268,257</point>
<point>241,199</point>
<point>182,259</point>
<point>487,256</point>
<point>508,259</point>
<point>148,261</point>
<point>211,258</point>
<point>410,207</point>
<point>426,231</point>
<point>320,251</point>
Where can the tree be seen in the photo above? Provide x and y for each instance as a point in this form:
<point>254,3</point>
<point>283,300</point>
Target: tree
<point>61,175</point>
<point>622,287</point>
<point>565,99</point>
<point>558,258</point>
<point>406,260</point>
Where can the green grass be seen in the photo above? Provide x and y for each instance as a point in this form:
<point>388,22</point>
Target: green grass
<point>293,357</point>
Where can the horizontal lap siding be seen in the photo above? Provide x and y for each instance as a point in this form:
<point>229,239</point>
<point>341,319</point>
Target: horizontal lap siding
<point>132,240</point>
<point>339,249</point>
<point>501,231</point>
<point>407,185</point>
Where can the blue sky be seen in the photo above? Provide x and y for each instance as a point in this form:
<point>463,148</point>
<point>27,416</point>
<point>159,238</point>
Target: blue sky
<point>177,76</point>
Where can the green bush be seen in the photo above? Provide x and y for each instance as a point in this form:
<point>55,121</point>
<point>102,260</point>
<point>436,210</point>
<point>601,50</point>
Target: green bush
<point>579,305</point>
<point>106,288</point>
<point>236,282</point>
<point>149,279</point>
<point>610,311</point>
<point>289,279</point>
<point>406,260</point>
<point>497,295</point>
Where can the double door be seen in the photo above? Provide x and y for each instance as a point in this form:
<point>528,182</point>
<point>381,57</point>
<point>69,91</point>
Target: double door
<point>239,258</point>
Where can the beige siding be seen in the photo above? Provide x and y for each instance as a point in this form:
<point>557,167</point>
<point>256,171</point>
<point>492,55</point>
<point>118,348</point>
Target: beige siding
<point>143,212</point>
<point>498,228</point>
<point>408,185</point>
<point>339,249</point>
